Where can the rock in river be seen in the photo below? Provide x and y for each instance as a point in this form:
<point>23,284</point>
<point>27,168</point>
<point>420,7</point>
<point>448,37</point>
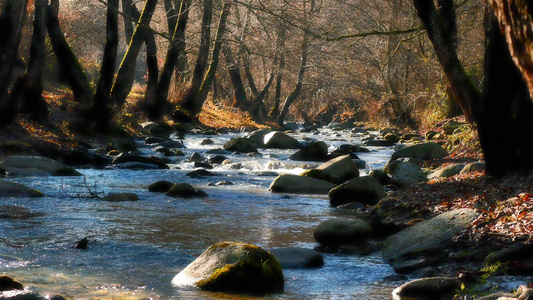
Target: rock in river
<point>12,189</point>
<point>233,267</point>
<point>342,231</point>
<point>366,190</point>
<point>314,151</point>
<point>428,234</point>
<point>280,140</point>
<point>300,185</point>
<point>241,144</point>
<point>292,258</point>
<point>433,288</point>
<point>342,167</point>
<point>48,165</point>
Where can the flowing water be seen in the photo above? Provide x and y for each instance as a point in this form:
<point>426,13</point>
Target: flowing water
<point>136,248</point>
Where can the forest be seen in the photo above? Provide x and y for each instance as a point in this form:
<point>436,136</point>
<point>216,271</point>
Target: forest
<point>435,85</point>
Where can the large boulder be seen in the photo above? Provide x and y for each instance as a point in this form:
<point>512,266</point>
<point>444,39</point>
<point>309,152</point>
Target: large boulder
<point>233,267</point>
<point>181,190</point>
<point>320,174</point>
<point>342,231</point>
<point>429,234</point>
<point>423,151</point>
<point>12,189</point>
<point>259,137</point>
<point>406,174</point>
<point>241,144</point>
<point>288,183</point>
<point>342,167</point>
<point>292,258</point>
<point>48,165</point>
<point>314,151</point>
<point>8,284</point>
<point>280,140</point>
<point>366,190</point>
<point>428,288</point>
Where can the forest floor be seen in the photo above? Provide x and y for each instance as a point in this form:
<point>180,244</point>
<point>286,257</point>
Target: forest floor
<point>506,204</point>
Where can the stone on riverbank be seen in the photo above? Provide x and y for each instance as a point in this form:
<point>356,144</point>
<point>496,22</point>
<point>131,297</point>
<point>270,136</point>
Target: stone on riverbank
<point>12,189</point>
<point>366,190</point>
<point>241,144</point>
<point>52,167</point>
<point>233,267</point>
<point>406,174</point>
<point>314,151</point>
<point>428,234</point>
<point>446,171</point>
<point>473,167</point>
<point>423,151</point>
<point>342,167</point>
<point>342,231</point>
<point>280,140</point>
<point>428,288</point>
<point>300,185</point>
<point>117,197</point>
<point>292,258</point>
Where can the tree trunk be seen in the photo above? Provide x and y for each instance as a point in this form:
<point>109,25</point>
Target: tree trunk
<point>10,31</point>
<point>32,102</point>
<point>258,106</point>
<point>274,110</point>
<point>515,18</point>
<point>126,73</point>
<point>239,94</point>
<point>101,113</point>
<point>69,65</point>
<point>151,56</point>
<point>187,103</point>
<point>299,83</point>
<point>157,106</point>
<point>505,121</point>
<point>465,91</point>
<point>128,27</point>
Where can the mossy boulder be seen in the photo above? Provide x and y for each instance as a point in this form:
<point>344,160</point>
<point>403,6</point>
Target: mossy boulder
<point>342,231</point>
<point>233,267</point>
<point>288,183</point>
<point>452,125</point>
<point>342,167</point>
<point>280,140</point>
<point>12,189</point>
<point>423,151</point>
<point>241,144</point>
<point>366,190</point>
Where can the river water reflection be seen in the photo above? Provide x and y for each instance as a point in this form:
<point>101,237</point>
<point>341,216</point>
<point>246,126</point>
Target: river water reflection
<point>136,248</point>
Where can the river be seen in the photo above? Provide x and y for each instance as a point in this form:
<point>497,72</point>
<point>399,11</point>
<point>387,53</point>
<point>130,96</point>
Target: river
<point>136,248</point>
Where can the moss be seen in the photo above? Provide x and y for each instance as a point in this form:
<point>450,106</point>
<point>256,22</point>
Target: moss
<point>35,193</point>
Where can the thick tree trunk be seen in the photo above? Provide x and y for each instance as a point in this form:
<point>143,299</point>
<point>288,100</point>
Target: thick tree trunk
<point>32,102</point>
<point>159,105</point>
<point>128,26</point>
<point>505,121</point>
<point>465,91</point>
<point>515,18</point>
<point>10,31</point>
<point>258,106</point>
<point>274,110</point>
<point>188,101</point>
<point>126,73</point>
<point>69,65</point>
<point>299,83</point>
<point>101,113</point>
<point>239,94</point>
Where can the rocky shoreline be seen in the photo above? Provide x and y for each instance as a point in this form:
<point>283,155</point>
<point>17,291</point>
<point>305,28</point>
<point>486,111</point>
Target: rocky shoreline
<point>419,243</point>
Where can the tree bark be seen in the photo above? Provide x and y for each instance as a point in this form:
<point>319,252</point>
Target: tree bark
<point>505,118</point>
<point>239,94</point>
<point>101,112</point>
<point>157,106</point>
<point>465,91</point>
<point>69,65</point>
<point>128,26</point>
<point>258,106</point>
<point>515,19</point>
<point>126,73</point>
<point>274,110</point>
<point>32,102</point>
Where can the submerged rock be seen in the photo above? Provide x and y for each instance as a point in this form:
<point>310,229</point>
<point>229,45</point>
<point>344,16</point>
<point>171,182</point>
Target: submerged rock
<point>160,186</point>
<point>300,185</point>
<point>121,197</point>
<point>342,231</point>
<point>292,258</point>
<point>366,190</point>
<point>233,267</point>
